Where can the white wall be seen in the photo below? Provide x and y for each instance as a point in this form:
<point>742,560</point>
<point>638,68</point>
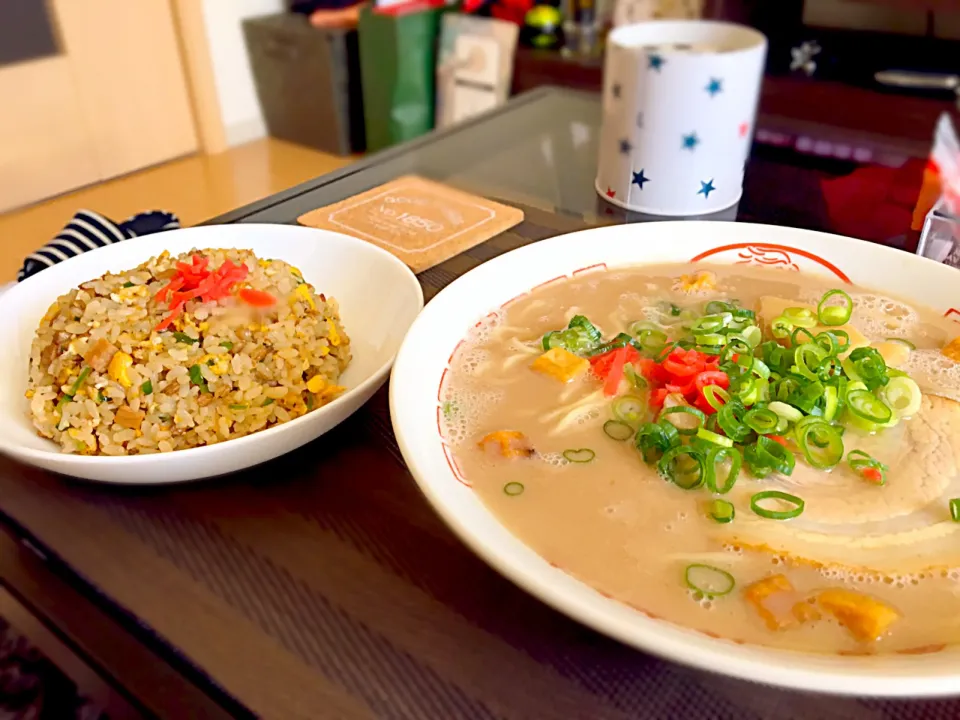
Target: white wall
<point>239,107</point>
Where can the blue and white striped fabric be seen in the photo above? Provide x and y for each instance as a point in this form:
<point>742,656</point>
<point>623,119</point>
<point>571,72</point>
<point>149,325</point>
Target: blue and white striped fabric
<point>88,231</point>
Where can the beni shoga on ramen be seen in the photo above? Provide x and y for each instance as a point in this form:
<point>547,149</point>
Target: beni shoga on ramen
<point>752,453</point>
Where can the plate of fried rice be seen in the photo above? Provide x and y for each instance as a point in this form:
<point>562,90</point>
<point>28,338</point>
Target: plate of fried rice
<point>197,352</point>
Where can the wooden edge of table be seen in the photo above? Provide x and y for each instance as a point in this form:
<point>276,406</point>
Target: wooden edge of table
<point>153,681</point>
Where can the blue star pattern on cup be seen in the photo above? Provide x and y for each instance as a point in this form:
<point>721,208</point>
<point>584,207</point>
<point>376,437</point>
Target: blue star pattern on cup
<point>655,62</point>
<point>625,147</point>
<point>706,188</point>
<point>690,141</point>
<point>714,86</point>
<point>639,179</point>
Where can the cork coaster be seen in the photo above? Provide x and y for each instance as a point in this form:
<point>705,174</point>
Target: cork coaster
<point>420,221</point>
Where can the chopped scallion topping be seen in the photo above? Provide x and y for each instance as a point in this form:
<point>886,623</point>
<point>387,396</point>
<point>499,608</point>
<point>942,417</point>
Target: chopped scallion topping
<point>708,580</point>
<point>783,497</point>
<point>582,455</point>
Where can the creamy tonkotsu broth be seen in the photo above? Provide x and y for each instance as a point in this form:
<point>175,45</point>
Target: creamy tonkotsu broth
<point>871,564</point>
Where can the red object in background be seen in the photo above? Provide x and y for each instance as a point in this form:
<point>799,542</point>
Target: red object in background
<point>874,203</point>
<point>511,10</point>
<point>412,6</point>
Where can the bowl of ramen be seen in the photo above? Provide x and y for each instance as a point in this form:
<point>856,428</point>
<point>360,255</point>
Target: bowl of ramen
<point>732,445</point>
<point>198,352</point>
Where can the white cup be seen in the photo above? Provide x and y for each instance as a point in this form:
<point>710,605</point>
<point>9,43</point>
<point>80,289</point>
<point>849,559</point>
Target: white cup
<point>679,105</point>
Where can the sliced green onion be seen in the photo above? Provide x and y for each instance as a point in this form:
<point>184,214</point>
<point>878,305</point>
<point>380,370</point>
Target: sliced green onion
<point>833,315</point>
<point>869,366</point>
<point>829,342</point>
<point>146,388</point>
<point>581,455</point>
<point>708,580</point>
<point>268,401</point>
<point>699,415</point>
<point>652,340</point>
<point>902,395</point>
<point>714,438</point>
<point>618,430</point>
<point>800,317</point>
<point>722,511</point>
<point>629,409</point>
<point>806,397</point>
<point>227,344</point>
<point>955,509</point>
<point>79,381</point>
<point>579,322</point>
<point>903,341</point>
<point>841,335</point>
<point>787,412</point>
<point>757,366</point>
<point>552,339</point>
<point>716,307</point>
<point>656,437</point>
<point>809,357</point>
<point>513,489</point>
<point>859,461</point>
<point>715,396</point>
<point>196,377</point>
<point>850,370</point>
<point>128,284</point>
<point>820,442</point>
<point>766,456</point>
<point>781,327</point>
<point>761,420</point>
<point>184,338</point>
<point>795,336</point>
<point>753,335</point>
<point>711,323</point>
<point>634,378</point>
<point>760,497</point>
<point>831,403</point>
<point>238,406</point>
<point>730,419</point>
<point>711,340</point>
<point>749,391</point>
<point>683,466</point>
<point>715,456</point>
<point>866,405</point>
<point>101,397</point>
<point>640,325</point>
<point>578,343</point>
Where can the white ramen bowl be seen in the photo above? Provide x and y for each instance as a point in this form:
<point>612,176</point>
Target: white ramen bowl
<point>379,297</point>
<point>425,355</point>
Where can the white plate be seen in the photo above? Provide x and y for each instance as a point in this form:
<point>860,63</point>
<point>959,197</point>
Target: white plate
<point>414,405</point>
<point>379,297</point>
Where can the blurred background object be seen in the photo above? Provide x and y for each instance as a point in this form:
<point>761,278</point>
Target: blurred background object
<point>307,77</point>
<point>474,67</point>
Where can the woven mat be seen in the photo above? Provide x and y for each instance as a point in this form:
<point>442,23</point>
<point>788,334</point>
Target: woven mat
<point>323,586</point>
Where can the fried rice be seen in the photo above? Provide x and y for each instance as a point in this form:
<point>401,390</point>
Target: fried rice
<point>125,365</point>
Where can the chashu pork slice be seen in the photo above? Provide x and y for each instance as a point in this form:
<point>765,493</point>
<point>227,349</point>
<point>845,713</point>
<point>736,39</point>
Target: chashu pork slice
<point>901,527</point>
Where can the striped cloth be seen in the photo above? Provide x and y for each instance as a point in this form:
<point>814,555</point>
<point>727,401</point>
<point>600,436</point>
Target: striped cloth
<point>88,231</point>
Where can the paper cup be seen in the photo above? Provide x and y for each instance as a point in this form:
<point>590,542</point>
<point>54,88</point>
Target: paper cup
<point>679,104</point>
